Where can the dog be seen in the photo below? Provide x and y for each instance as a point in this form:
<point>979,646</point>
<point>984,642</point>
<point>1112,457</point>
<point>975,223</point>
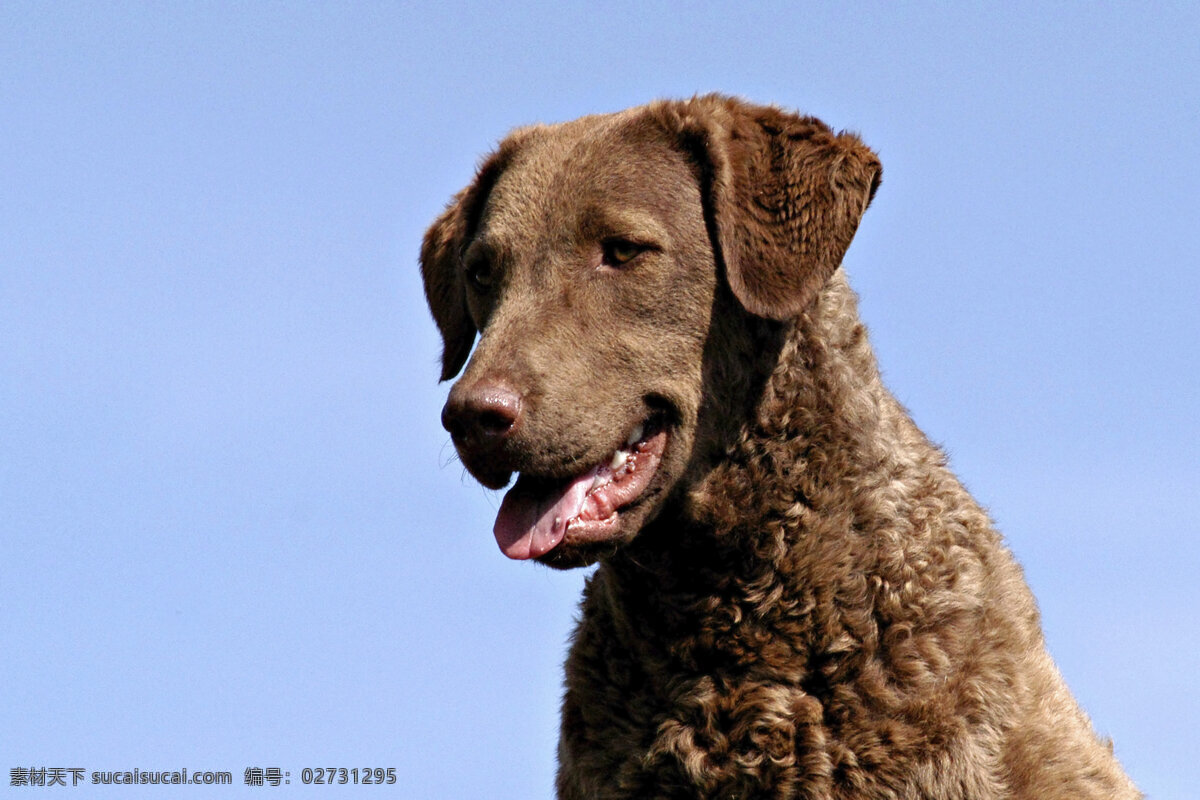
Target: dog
<point>795,597</point>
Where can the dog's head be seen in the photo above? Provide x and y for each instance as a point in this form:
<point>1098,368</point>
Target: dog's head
<point>589,257</point>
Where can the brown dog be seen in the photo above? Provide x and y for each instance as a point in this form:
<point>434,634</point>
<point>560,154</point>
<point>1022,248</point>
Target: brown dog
<point>795,597</point>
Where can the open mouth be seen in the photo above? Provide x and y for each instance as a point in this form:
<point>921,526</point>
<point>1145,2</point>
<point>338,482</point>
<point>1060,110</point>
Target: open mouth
<point>538,514</point>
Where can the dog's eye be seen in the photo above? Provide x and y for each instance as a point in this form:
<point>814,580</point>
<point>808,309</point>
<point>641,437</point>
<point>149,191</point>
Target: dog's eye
<point>619,252</point>
<point>479,272</point>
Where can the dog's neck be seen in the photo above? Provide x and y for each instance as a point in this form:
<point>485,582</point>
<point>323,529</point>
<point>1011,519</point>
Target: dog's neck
<point>769,532</point>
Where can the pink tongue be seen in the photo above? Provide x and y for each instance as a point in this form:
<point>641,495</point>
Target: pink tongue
<point>532,523</point>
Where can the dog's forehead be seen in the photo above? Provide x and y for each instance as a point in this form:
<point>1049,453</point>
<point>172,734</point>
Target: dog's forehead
<point>556,172</point>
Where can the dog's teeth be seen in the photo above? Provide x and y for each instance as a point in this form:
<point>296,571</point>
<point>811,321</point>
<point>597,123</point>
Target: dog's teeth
<point>618,460</point>
<point>633,437</point>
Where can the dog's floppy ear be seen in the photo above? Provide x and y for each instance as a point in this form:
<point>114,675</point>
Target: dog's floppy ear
<point>441,265</point>
<point>784,194</point>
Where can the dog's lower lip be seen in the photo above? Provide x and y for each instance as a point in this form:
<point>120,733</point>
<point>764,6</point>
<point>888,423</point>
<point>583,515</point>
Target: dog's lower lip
<point>642,460</point>
<point>538,514</point>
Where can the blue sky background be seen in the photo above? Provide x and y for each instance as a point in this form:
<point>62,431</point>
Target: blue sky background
<point>232,531</point>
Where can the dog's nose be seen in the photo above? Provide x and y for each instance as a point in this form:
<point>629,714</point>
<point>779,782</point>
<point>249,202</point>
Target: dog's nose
<point>481,415</point>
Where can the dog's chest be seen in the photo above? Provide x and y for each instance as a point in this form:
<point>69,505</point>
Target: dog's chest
<point>749,739</point>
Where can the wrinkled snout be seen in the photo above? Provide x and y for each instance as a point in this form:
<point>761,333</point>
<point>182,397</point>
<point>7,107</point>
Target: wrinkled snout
<point>481,416</point>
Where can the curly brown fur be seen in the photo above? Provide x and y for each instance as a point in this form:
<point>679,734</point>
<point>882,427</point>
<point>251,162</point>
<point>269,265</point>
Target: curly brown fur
<point>803,602</point>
